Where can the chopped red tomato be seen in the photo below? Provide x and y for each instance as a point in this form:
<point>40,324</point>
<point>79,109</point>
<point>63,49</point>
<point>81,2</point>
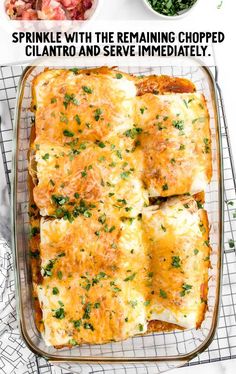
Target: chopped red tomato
<point>50,9</point>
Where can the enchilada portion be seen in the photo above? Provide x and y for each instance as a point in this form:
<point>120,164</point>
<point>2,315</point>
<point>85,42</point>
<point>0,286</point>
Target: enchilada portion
<point>84,105</point>
<point>177,236</point>
<point>176,142</point>
<point>93,280</point>
<point>106,173</point>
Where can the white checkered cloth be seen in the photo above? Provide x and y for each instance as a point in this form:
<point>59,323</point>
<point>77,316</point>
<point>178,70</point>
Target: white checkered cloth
<point>14,356</point>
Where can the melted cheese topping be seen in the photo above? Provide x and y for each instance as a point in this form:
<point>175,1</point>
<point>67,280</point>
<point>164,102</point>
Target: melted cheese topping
<point>109,175</point>
<point>91,289</point>
<point>176,142</point>
<point>104,143</point>
<point>177,238</point>
<point>88,106</point>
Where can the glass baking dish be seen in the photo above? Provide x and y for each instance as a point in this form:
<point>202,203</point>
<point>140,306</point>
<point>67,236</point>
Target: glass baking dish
<point>157,351</point>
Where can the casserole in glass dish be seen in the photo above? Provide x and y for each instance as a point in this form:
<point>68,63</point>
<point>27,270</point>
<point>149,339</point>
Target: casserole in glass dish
<point>158,351</point>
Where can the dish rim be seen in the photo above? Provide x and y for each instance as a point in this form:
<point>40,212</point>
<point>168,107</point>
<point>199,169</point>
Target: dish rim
<point>96,359</point>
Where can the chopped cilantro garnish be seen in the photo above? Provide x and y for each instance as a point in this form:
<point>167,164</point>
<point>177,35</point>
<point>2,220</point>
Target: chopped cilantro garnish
<point>63,118</point>
<point>200,119</point>
<point>163,294</point>
<point>75,70</point>
<point>88,326</point>
<point>178,124</point>
<point>69,98</point>
<point>100,144</point>
<point>55,291</point>
<point>59,313</point>
<point>130,277</point>
<point>87,90</point>
<point>87,311</point>
<point>73,342</point>
<point>125,174</point>
<point>47,270</point>
<point>165,187</point>
<point>68,133</point>
<point>77,119</point>
<point>97,114</point>
<point>185,103</point>
<point>199,205</point>
<point>185,289</point>
<point>175,261</point>
<point>102,219</point>
<point>60,200</point>
<point>34,231</point>
<point>119,76</point>
<point>83,173</point>
<point>140,326</point>
<point>59,274</point>
<point>77,323</point>
<point>171,7</point>
<point>118,153</point>
<point>45,157</point>
<point>34,254</point>
<point>206,145</point>
<point>142,110</point>
<point>132,133</point>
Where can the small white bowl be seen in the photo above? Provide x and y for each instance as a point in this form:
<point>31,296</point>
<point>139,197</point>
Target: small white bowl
<point>181,15</point>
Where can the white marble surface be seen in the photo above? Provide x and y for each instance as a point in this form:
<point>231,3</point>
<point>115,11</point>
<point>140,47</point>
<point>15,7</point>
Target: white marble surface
<point>223,367</point>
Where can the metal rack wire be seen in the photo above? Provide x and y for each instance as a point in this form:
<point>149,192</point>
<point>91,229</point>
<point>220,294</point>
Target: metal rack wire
<point>224,345</point>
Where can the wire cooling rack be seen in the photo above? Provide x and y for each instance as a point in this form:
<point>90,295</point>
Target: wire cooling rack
<point>223,346</point>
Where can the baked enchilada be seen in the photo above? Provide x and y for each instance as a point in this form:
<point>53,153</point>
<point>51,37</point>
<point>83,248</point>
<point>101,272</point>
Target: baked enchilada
<point>119,242</point>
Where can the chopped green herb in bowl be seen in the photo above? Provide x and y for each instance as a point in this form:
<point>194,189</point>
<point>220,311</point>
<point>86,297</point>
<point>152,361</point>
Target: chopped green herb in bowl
<point>170,8</point>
